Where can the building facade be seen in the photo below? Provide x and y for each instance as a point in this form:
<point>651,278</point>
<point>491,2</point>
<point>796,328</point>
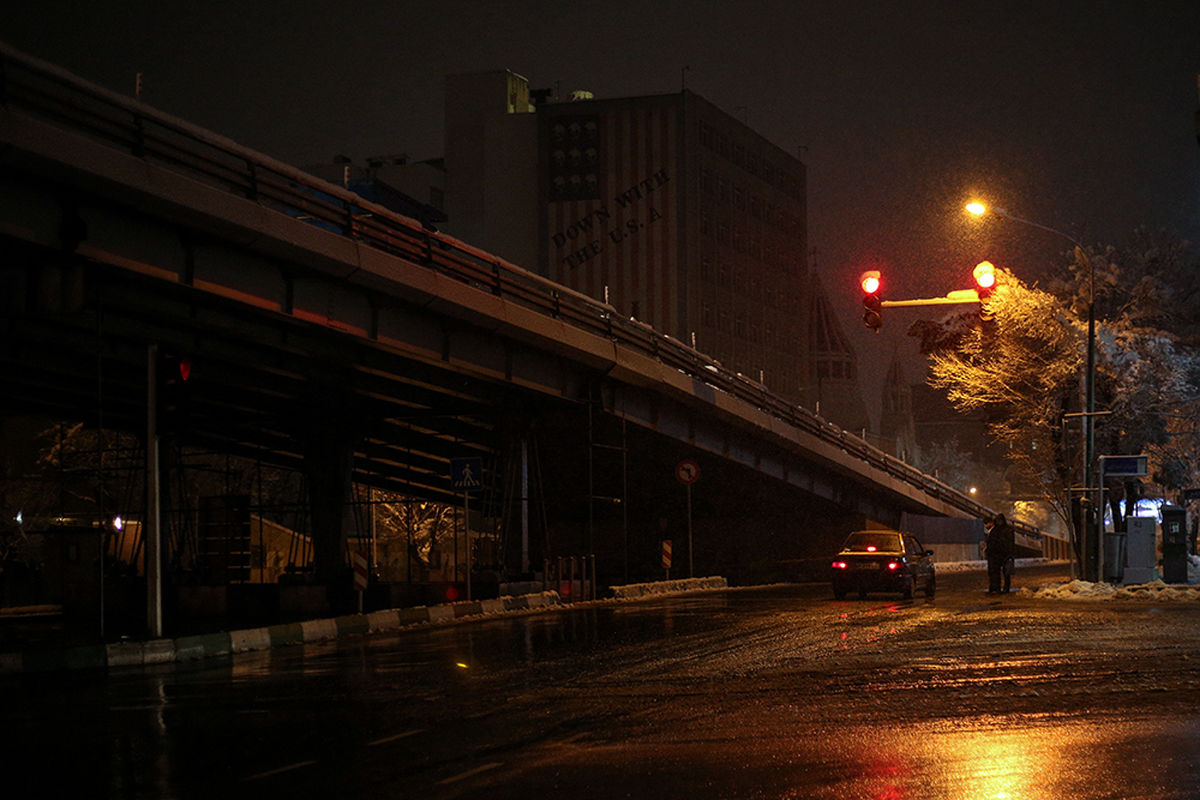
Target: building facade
<point>683,217</point>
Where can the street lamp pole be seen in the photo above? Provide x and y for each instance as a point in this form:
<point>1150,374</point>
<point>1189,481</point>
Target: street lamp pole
<point>1089,425</point>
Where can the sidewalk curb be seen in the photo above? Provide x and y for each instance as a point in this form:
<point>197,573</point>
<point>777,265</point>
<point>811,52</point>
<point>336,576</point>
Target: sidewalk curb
<point>209,645</point>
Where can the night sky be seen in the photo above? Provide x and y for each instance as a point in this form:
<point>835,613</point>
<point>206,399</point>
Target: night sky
<point>1078,115</point>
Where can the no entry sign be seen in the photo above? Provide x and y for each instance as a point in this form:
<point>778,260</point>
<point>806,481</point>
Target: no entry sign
<point>687,471</point>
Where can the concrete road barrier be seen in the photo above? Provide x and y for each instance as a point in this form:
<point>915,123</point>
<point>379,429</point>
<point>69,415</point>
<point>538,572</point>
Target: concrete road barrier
<point>208,645</point>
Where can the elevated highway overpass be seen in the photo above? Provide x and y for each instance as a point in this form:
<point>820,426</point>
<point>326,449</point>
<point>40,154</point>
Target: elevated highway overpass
<point>331,335</point>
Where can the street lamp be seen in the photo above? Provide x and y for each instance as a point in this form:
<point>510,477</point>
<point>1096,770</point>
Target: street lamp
<point>1081,257</point>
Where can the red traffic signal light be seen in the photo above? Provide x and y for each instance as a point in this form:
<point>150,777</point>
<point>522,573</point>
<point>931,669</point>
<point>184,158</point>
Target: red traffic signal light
<point>985,279</point>
<point>872,305</point>
<point>870,282</point>
<point>173,393</point>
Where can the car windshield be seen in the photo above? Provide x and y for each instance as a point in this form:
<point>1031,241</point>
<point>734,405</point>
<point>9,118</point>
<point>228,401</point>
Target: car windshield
<point>872,541</point>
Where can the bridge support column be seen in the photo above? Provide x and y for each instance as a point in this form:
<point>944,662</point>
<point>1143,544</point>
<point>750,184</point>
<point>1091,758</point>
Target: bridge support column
<point>328,462</point>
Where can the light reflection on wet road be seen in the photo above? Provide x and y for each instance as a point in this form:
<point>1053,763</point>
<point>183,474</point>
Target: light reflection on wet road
<point>1001,759</point>
<point>779,693</point>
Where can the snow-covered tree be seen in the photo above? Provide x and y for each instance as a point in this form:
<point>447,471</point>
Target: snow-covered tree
<point>417,523</point>
<point>1020,364</point>
<point>1021,358</point>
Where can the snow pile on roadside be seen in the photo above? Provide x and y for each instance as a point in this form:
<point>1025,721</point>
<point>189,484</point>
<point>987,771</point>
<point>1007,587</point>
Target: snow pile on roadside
<point>1155,590</point>
<point>1085,590</point>
<point>969,566</point>
<point>668,587</point>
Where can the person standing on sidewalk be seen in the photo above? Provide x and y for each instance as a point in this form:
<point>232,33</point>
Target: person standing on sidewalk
<point>1000,546</point>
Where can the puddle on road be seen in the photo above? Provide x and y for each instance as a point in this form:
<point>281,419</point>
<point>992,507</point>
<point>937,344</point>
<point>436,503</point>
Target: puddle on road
<point>995,759</point>
<point>1003,757</point>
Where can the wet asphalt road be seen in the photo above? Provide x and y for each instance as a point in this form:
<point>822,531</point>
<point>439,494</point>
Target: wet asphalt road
<point>765,693</point>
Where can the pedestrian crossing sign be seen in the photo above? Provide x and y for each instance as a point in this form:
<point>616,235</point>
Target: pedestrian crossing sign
<point>466,474</point>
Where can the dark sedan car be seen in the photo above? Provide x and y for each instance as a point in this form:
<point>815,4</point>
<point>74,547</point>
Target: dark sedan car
<point>883,561</point>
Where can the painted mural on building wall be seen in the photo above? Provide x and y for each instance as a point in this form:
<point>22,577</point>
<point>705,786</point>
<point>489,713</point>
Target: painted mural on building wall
<point>612,193</point>
<point>586,237</point>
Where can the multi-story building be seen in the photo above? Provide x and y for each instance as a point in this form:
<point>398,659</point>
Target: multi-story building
<point>686,219</point>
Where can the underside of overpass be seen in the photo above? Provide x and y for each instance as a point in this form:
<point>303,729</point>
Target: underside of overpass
<point>338,339</point>
<point>623,502</point>
<point>284,392</point>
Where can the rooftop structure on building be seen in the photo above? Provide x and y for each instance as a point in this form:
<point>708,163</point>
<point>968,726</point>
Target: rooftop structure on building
<point>414,189</point>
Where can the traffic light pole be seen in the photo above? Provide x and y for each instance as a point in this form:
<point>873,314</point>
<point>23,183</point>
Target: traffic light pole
<point>151,528</point>
<point>1082,259</point>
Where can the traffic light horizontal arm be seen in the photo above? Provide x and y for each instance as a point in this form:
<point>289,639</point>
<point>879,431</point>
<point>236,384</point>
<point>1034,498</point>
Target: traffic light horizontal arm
<point>956,297</point>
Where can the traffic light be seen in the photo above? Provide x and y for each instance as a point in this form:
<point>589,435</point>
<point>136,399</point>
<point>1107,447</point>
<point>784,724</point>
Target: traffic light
<point>985,283</point>
<point>174,392</point>
<point>985,279</point>
<point>872,305</point>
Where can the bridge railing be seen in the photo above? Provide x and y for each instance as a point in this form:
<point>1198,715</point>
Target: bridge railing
<point>55,95</point>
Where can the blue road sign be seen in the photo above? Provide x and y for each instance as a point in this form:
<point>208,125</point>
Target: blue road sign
<point>1123,466</point>
<point>466,474</point>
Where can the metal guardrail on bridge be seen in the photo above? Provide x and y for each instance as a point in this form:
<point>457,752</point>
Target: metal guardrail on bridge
<point>59,97</point>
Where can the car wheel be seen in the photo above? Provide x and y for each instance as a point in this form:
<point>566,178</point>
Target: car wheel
<point>909,585</point>
<point>931,586</point>
<point>862,594</point>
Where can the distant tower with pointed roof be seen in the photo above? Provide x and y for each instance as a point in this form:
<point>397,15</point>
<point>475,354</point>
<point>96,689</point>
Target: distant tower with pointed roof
<point>897,429</point>
<point>834,378</point>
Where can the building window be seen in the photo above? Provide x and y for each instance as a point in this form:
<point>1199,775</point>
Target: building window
<point>574,157</point>
<point>707,317</point>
